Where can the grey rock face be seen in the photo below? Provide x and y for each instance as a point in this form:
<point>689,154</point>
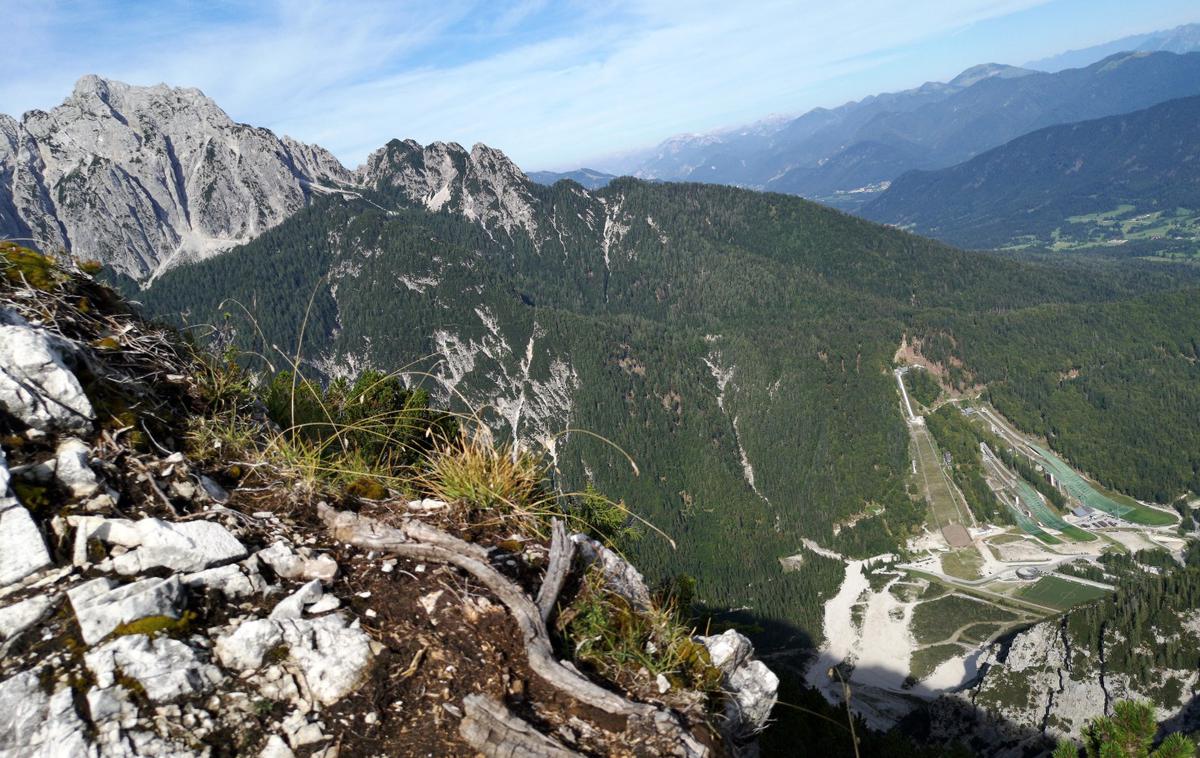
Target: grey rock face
<point>165,668</point>
<point>152,543</point>
<point>752,687</point>
<point>33,723</point>
<point>619,575</point>
<point>35,384</point>
<point>18,617</point>
<point>146,178</point>
<point>333,655</point>
<point>22,549</point>
<point>101,605</point>
<point>72,470</point>
<point>483,185</point>
<point>143,178</point>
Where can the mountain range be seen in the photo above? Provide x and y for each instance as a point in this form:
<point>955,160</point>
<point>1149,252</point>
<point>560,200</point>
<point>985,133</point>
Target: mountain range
<point>844,156</point>
<point>1107,181</point>
<point>724,338</point>
<point>735,346</point>
<point>588,178</point>
<point>1181,39</point>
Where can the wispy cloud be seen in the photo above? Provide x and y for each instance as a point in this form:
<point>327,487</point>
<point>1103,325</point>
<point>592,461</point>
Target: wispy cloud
<point>548,82</point>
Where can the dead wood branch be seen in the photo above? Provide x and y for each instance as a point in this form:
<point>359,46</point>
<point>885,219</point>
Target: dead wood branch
<point>562,551</point>
<point>491,729</point>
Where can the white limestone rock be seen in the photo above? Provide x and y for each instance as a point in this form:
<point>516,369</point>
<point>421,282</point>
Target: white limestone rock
<point>35,384</point>
<point>72,470</point>
<point>22,549</point>
<point>34,724</point>
<point>18,617</point>
<point>102,605</point>
<point>233,580</point>
<point>752,687</point>
<point>324,605</point>
<point>292,606</point>
<point>619,575</point>
<point>165,668</point>
<point>288,565</point>
<point>331,655</point>
<point>180,546</point>
<point>276,748</point>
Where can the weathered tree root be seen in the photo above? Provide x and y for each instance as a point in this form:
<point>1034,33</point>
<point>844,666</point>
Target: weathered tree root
<point>419,541</point>
<point>562,552</point>
<point>493,730</point>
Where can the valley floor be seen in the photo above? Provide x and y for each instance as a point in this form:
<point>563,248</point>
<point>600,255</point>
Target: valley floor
<point>903,631</point>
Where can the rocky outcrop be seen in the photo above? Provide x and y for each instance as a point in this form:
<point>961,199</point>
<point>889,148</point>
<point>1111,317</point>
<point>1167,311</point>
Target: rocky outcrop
<point>1046,683</point>
<point>143,178</point>
<point>483,184</point>
<point>35,384</point>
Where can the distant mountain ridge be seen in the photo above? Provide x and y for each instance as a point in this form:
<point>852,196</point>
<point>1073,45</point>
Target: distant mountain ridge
<point>1181,39</point>
<point>1093,182</point>
<point>146,178</point>
<point>846,155</point>
<point>588,178</point>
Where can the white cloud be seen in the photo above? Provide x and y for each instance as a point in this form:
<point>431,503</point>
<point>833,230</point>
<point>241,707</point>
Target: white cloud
<point>548,83</point>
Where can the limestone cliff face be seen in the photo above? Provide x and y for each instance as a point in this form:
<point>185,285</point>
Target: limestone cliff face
<point>147,177</point>
<point>1046,683</point>
<point>483,184</point>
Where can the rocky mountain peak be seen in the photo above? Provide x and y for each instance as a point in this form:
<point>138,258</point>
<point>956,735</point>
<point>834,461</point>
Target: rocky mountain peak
<point>143,178</point>
<point>484,185</point>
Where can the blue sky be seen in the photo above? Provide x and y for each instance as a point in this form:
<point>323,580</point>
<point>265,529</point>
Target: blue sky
<point>553,84</point>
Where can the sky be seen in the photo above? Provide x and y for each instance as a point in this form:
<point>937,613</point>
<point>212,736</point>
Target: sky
<point>555,85</point>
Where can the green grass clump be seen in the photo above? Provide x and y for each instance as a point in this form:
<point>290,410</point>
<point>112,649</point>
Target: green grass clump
<point>482,475</point>
<point>152,626</point>
<point>617,640</point>
<point>21,265</point>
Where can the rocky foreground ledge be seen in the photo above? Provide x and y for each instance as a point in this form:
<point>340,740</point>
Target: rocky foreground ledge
<point>155,604</point>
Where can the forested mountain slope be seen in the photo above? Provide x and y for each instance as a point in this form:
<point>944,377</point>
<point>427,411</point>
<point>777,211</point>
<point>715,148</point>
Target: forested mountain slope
<point>1131,176</point>
<point>735,344</point>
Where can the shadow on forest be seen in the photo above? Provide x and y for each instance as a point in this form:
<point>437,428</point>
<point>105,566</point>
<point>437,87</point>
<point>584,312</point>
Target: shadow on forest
<point>804,723</point>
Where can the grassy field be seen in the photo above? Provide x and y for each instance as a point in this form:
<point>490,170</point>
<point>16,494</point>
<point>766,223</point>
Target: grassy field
<point>1123,223</point>
<point>979,633</point>
<point>1090,495</point>
<point>925,660</point>
<point>938,620</point>
<point>1060,593</point>
<point>963,563</point>
<point>945,505</point>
